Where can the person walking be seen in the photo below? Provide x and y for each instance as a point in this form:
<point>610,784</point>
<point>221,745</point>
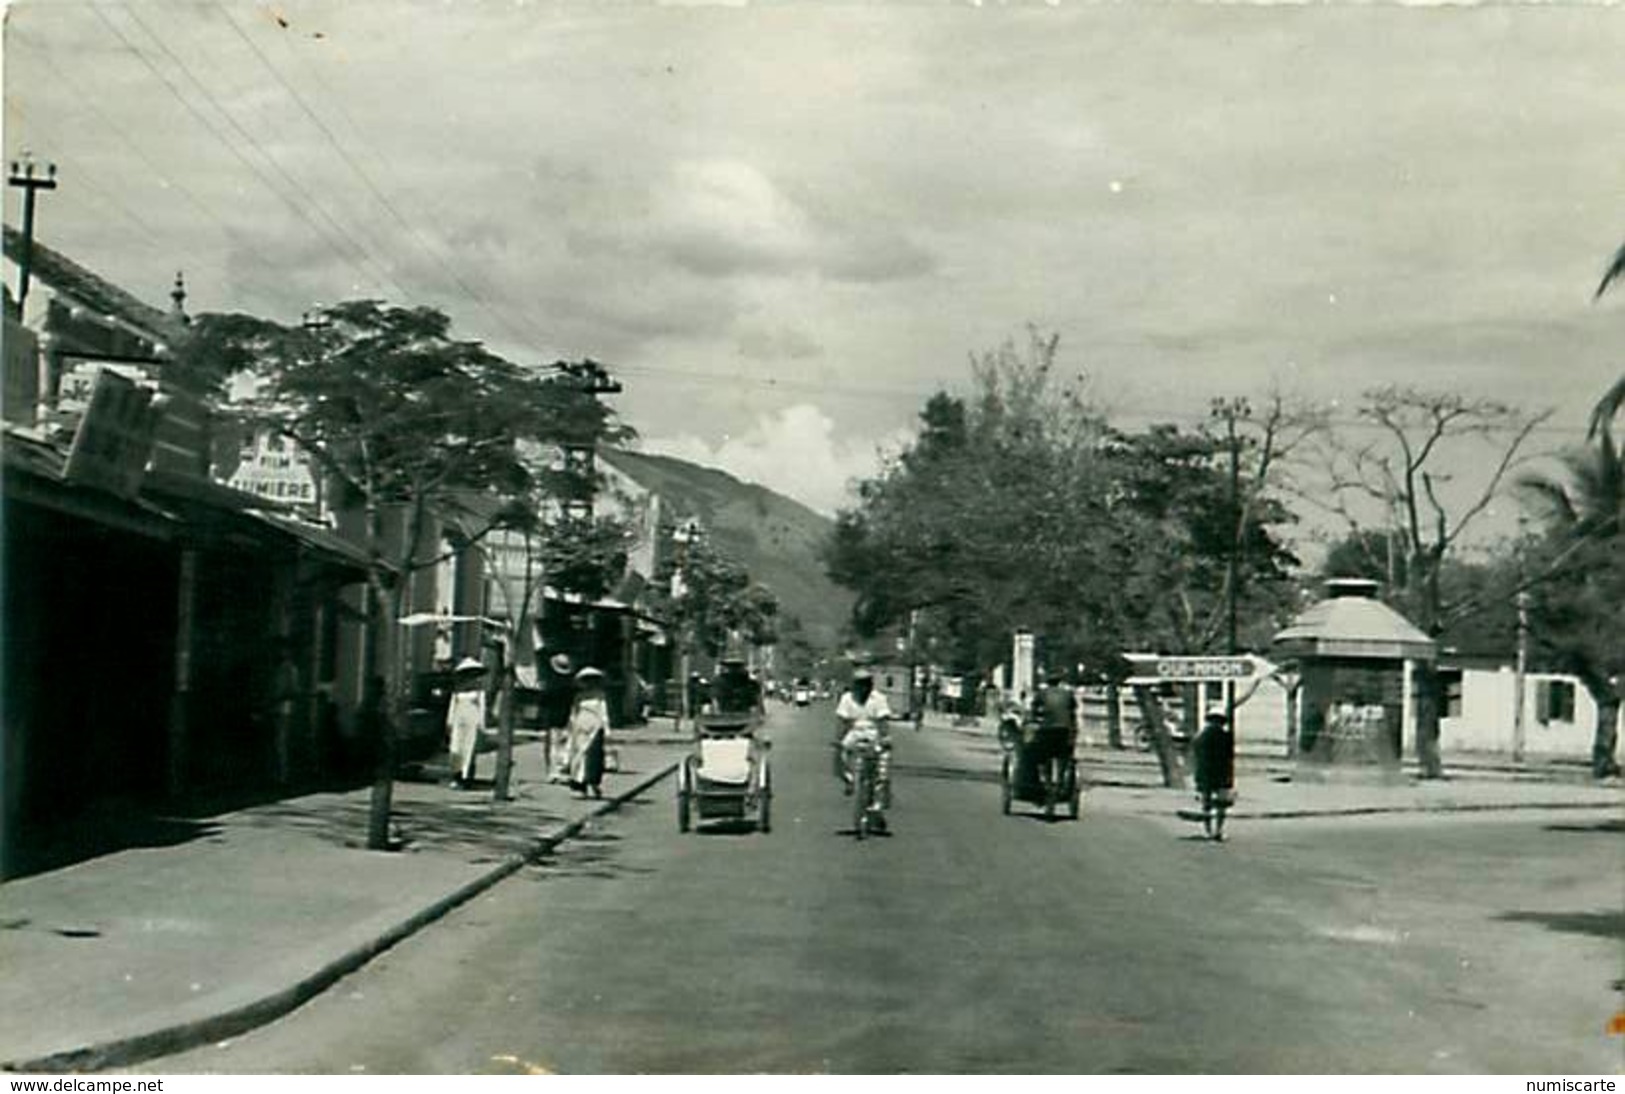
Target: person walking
<point>589,729</point>
<point>465,717</point>
<point>1214,749</point>
<point>558,697</point>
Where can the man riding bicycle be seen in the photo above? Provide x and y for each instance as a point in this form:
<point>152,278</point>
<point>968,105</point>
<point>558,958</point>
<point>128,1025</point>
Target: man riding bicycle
<point>862,715</point>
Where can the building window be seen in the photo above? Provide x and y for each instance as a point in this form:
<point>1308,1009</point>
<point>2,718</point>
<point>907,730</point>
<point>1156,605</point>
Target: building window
<point>1450,689</point>
<point>1554,701</point>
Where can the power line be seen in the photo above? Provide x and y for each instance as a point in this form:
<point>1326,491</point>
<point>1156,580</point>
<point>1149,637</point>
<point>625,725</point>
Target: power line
<point>1117,414</point>
<point>83,175</point>
<point>362,257</point>
<point>365,178</point>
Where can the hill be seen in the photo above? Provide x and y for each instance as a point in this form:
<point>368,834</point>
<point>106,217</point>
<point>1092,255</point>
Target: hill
<point>777,539</point>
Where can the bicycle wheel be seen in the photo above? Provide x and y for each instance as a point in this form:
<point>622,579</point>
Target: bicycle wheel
<point>861,790</point>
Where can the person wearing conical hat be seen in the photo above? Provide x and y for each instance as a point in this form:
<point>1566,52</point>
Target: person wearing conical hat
<point>465,717</point>
<point>589,730</point>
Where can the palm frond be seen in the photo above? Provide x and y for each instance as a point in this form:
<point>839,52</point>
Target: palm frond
<point>1616,270</point>
<point>1609,406</point>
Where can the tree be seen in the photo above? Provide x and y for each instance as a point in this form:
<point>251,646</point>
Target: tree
<point>1578,616</point>
<point>796,655</point>
<point>1399,477</point>
<point>710,599</point>
<point>584,555</point>
<point>1019,507</point>
<point>408,422</point>
<point>984,520</point>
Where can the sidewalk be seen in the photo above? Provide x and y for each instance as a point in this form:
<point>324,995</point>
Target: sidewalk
<point>146,951</point>
<point>1275,788</point>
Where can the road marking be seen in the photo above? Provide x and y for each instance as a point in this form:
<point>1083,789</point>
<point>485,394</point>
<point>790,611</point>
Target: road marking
<point>524,1065</point>
<point>1386,936</point>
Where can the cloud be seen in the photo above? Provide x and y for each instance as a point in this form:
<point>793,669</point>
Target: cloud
<point>794,452</point>
<point>778,344</point>
<point>724,219</point>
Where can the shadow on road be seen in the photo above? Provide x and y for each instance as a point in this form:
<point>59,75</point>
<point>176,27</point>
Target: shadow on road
<point>938,771</point>
<point>1595,924</point>
<point>728,826</point>
<point>591,854</point>
<point>105,830</point>
<point>1612,824</point>
<point>468,823</point>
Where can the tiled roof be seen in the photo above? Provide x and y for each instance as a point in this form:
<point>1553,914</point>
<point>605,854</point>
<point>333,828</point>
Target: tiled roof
<point>94,291</point>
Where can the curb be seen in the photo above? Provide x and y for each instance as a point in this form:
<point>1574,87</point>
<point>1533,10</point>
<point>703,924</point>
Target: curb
<point>1381,810</point>
<point>1394,810</point>
<point>241,1019</point>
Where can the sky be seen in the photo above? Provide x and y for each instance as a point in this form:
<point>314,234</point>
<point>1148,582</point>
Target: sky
<point>783,226</point>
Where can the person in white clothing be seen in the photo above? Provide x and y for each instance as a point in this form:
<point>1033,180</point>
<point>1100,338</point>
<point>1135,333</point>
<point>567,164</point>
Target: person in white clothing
<point>465,717</point>
<point>589,726</point>
<point>862,714</point>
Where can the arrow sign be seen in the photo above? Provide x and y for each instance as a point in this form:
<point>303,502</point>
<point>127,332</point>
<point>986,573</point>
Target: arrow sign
<point>1150,668</point>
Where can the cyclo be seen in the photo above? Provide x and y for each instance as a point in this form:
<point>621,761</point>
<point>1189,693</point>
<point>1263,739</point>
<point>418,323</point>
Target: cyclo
<point>727,776</point>
<point>1039,766</point>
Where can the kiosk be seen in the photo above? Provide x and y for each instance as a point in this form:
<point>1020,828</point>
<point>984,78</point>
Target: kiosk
<point>1356,658</point>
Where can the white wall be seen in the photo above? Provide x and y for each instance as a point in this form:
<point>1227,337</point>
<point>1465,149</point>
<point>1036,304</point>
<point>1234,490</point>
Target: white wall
<point>1485,723</point>
<point>1260,720</point>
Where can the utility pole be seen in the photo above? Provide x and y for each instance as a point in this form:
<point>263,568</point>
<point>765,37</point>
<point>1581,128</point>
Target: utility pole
<point>594,379</point>
<point>23,177</point>
<point>687,537</point>
<point>1519,678</point>
<point>1232,411</point>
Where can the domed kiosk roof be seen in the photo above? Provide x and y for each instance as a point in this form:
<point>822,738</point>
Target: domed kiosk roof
<point>1352,622</point>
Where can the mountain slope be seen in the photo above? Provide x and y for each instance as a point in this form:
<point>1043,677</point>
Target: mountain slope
<point>777,539</point>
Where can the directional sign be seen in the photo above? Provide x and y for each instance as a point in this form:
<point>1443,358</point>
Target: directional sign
<point>1151,668</point>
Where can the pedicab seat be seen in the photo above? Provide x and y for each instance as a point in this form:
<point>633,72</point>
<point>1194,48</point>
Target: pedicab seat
<point>725,759</point>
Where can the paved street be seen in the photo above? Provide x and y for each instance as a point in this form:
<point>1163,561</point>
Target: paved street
<point>970,942</point>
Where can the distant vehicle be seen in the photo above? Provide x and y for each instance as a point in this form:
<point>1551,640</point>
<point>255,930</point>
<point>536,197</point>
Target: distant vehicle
<point>802,693</point>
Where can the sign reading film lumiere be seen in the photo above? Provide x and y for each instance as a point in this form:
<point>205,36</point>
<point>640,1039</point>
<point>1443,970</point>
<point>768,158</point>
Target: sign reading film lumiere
<point>114,439</point>
<point>1151,668</point>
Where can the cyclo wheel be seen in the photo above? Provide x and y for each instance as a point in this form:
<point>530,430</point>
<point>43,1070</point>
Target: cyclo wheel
<point>1052,788</point>
<point>683,819</point>
<point>1005,792</point>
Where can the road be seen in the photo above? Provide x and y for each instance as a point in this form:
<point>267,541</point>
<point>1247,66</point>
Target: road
<point>968,942</point>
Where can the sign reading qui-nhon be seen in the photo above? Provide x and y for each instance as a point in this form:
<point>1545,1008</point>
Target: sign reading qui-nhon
<point>1150,668</point>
